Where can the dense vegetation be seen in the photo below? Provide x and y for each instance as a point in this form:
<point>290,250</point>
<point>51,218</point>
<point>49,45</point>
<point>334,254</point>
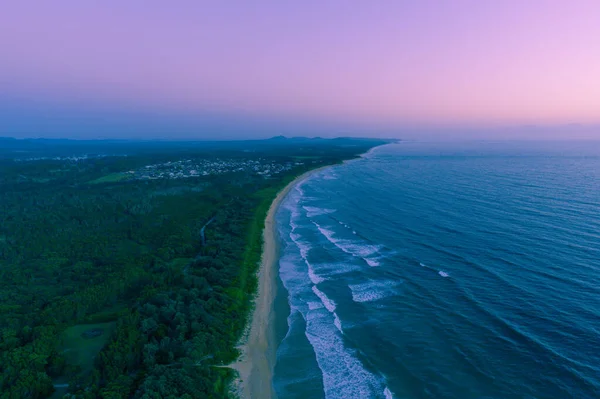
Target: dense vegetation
<point>114,289</point>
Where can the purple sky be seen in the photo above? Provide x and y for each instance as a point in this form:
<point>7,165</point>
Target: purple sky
<point>113,68</point>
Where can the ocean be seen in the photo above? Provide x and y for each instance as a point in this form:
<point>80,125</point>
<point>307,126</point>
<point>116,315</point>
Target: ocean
<point>443,270</point>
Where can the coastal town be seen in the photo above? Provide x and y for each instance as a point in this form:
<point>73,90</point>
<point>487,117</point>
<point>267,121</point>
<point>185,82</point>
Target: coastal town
<point>210,167</point>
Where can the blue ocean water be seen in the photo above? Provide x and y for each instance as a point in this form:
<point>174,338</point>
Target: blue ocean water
<point>465,270</point>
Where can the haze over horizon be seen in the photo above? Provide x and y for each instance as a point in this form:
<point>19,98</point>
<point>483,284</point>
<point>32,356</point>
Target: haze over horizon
<point>205,70</point>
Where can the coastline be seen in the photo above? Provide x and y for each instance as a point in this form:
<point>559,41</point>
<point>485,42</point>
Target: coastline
<point>255,364</point>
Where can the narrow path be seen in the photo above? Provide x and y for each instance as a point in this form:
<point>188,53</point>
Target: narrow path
<point>202,231</point>
<point>203,239</point>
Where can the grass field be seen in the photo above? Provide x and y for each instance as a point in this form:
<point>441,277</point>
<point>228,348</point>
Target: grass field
<point>80,351</point>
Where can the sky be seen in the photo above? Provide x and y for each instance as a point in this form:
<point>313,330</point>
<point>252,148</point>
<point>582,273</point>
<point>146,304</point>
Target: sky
<point>237,69</point>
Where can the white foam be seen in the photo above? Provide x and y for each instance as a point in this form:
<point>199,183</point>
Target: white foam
<point>387,393</point>
<point>294,216</point>
<point>344,376</point>
<point>443,273</point>
<point>373,290</point>
<point>422,264</point>
<point>302,246</point>
<point>312,211</point>
<point>294,212</point>
<point>329,304</point>
<point>293,275</point>
<point>335,269</point>
<point>329,175</point>
<point>295,237</point>
<point>298,188</point>
<point>351,247</point>
<point>304,249</point>
<point>372,262</point>
<point>337,322</point>
<point>345,225</point>
<point>314,278</point>
<point>306,198</point>
<point>358,249</point>
<point>326,232</point>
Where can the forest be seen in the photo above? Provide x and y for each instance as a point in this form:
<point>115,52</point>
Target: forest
<point>134,287</point>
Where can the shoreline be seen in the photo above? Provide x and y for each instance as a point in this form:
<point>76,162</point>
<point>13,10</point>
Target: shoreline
<point>257,360</point>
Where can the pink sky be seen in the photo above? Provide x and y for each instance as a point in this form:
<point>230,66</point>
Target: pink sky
<point>432,63</point>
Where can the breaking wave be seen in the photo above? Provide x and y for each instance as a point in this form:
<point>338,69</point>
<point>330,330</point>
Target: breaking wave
<point>371,291</point>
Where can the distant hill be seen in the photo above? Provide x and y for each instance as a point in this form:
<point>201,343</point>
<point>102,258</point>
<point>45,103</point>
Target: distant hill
<point>31,148</point>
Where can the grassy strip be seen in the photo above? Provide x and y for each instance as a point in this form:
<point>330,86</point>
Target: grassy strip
<point>253,253</point>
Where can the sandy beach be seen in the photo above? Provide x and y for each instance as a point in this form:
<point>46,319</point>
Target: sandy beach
<point>255,365</point>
